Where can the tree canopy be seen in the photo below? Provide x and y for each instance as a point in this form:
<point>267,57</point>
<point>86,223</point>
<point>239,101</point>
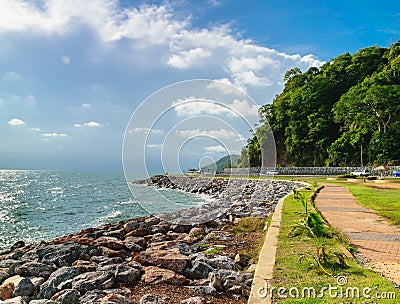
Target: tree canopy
<point>324,115</point>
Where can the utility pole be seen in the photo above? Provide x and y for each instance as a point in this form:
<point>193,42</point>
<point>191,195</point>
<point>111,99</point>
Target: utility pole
<point>362,158</point>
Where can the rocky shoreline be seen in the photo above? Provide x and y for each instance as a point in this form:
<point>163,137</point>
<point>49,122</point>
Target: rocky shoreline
<point>122,262</point>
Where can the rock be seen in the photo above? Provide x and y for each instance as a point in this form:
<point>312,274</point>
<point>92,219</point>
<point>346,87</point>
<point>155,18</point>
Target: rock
<point>84,266</point>
<point>3,274</point>
<point>19,244</point>
<point>109,242</point>
<point>102,260</point>
<point>110,252</point>
<point>156,275</point>
<point>194,300</point>
<point>6,291</point>
<point>67,296</point>
<point>221,262</point>
<point>16,300</point>
<point>119,233</point>
<point>9,265</point>
<point>57,281</point>
<point>152,299</point>
<point>155,238</point>
<point>197,232</point>
<point>241,260</point>
<point>46,292</point>
<point>223,280</point>
<point>42,301</point>
<point>199,270</point>
<point>204,290</point>
<point>160,228</point>
<point>91,296</point>
<point>128,273</point>
<point>114,298</point>
<point>165,258</point>
<point>24,288</point>
<point>61,254</point>
<point>35,269</point>
<point>181,228</point>
<point>135,244</point>
<point>92,280</point>
<point>152,220</point>
<point>136,228</point>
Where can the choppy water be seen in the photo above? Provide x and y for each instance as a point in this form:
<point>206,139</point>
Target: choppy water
<point>37,205</point>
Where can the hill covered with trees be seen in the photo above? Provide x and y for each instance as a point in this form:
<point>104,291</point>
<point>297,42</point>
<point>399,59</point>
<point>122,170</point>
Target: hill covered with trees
<point>324,115</point>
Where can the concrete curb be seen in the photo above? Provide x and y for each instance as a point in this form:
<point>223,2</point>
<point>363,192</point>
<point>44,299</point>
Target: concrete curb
<point>266,259</point>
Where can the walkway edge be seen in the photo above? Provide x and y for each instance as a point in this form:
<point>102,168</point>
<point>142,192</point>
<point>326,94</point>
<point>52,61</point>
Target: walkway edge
<point>266,259</point>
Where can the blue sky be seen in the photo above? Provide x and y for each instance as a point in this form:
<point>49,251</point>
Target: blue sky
<point>72,73</point>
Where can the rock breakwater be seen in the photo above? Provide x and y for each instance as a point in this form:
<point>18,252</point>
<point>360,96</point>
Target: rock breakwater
<point>120,262</point>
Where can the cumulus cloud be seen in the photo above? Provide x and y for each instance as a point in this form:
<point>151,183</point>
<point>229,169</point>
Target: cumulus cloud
<point>221,133</point>
<point>92,124</point>
<point>180,45</point>
<point>215,149</point>
<point>54,135</point>
<point>193,106</point>
<point>34,129</point>
<point>16,122</point>
<point>188,58</point>
<point>145,130</point>
<point>86,105</point>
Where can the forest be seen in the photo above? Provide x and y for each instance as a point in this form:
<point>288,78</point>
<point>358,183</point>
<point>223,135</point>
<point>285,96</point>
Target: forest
<point>328,116</point>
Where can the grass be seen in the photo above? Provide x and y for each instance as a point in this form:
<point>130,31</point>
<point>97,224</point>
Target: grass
<point>385,201</point>
<point>297,270</point>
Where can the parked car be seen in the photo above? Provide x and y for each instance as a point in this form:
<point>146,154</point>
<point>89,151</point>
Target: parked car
<point>272,172</point>
<point>396,173</point>
<point>360,173</point>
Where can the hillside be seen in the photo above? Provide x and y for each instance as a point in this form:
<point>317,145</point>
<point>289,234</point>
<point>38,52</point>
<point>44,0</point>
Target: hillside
<point>324,115</point>
<point>221,164</point>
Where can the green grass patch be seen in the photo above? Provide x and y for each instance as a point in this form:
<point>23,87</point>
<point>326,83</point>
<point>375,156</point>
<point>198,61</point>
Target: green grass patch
<point>297,270</point>
<point>385,201</point>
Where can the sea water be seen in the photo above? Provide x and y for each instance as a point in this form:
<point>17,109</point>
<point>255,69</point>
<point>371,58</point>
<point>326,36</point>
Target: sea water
<point>38,205</point>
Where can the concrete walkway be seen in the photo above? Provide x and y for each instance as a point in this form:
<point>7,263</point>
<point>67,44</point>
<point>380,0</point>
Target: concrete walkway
<point>375,238</point>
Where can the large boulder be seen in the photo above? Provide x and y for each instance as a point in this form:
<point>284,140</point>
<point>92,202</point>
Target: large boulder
<point>36,269</point>
<point>128,273</point>
<point>93,280</point>
<point>170,259</point>
<point>109,242</point>
<point>156,275</point>
<point>24,288</point>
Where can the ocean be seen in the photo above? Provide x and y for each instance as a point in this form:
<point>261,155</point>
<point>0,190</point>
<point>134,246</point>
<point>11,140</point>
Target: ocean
<point>40,205</point>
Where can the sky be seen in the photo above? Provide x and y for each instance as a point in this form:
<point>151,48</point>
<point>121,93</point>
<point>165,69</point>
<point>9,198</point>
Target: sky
<point>76,76</point>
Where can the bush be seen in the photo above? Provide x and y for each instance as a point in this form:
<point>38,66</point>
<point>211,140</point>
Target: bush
<point>347,176</point>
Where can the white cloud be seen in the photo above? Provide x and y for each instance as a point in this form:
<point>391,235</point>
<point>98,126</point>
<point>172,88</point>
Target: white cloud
<point>92,124</point>
<point>221,133</point>
<point>244,63</point>
<point>65,59</point>
<point>86,105</point>
<point>34,129</point>
<point>145,130</point>
<point>48,135</point>
<point>188,58</point>
<point>194,106</point>
<point>12,76</point>
<point>215,149</point>
<point>16,122</point>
